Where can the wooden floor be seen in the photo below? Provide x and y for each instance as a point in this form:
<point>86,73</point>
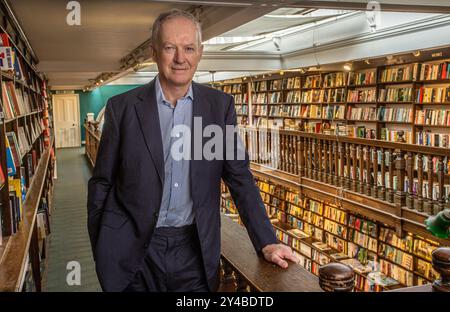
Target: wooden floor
<point>69,238</point>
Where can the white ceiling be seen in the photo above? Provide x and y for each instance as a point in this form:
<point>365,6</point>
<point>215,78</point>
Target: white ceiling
<point>111,29</point>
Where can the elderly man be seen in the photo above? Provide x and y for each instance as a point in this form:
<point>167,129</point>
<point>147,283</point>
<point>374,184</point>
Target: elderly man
<point>154,219</point>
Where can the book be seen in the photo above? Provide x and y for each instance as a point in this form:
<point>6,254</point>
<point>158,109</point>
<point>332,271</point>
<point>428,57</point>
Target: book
<point>321,246</point>
<point>357,266</point>
<point>380,278</point>
<point>6,58</point>
<point>338,256</point>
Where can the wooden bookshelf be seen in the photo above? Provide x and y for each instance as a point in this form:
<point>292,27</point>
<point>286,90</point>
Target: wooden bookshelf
<point>385,77</point>
<point>279,194</point>
<point>28,161</point>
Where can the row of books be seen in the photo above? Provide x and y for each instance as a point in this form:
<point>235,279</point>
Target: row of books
<point>16,102</point>
<point>241,109</point>
<point>312,82</point>
<point>293,97</point>
<point>400,73</point>
<point>435,71</point>
<point>362,95</point>
<point>241,98</point>
<point>234,88</point>
<point>259,110</point>
<point>362,78</point>
<point>435,194</point>
<point>334,80</point>
<point>10,61</point>
<point>395,95</point>
<point>433,95</point>
<point>433,117</point>
<point>292,83</point>
<point>395,114</point>
<point>429,138</point>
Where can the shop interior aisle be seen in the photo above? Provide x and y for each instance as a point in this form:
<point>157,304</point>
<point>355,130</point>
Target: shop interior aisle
<point>70,240</point>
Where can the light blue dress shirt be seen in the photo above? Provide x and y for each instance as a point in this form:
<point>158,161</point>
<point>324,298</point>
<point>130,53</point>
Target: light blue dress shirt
<point>176,204</point>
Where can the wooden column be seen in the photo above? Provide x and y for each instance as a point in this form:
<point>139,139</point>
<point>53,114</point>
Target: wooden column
<point>382,193</point>
<point>348,179</point>
<point>410,172</point>
<point>428,203</point>
<point>400,196</point>
<point>391,176</point>
<point>336,164</point>
<point>374,153</point>
<point>361,169</point>
<point>354,167</point>
<point>418,204</point>
<point>440,176</point>
<point>341,148</point>
<point>326,163</point>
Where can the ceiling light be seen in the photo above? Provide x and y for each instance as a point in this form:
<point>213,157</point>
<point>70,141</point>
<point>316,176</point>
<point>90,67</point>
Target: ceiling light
<point>367,61</point>
<point>417,53</point>
<point>101,80</point>
<point>348,66</point>
<point>281,72</point>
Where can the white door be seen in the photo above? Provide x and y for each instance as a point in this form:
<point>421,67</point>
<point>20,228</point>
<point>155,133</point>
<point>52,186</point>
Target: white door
<point>67,120</point>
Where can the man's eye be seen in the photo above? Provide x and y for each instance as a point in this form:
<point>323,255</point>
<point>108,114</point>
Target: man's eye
<point>169,48</point>
<point>190,49</point>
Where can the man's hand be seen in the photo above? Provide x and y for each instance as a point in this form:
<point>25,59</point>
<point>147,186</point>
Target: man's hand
<point>276,253</point>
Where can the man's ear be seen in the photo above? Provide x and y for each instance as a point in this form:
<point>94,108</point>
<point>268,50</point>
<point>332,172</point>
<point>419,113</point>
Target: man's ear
<point>153,51</point>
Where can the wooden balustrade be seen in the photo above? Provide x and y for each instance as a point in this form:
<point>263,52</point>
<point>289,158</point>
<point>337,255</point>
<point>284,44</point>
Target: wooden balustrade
<point>378,169</point>
<point>92,141</point>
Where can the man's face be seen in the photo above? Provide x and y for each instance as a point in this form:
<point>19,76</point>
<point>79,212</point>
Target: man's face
<point>178,52</point>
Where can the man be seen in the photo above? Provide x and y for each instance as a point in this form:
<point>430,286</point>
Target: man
<point>154,220</point>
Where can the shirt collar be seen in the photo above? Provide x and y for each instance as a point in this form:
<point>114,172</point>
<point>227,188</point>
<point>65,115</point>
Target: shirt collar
<point>160,94</point>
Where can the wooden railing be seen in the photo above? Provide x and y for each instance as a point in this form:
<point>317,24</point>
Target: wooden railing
<point>372,174</point>
<point>92,141</point>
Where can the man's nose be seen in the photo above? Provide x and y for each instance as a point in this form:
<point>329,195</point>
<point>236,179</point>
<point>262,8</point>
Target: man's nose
<point>180,56</point>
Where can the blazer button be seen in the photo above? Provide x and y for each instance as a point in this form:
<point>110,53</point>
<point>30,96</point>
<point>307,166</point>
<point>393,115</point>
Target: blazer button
<point>156,214</point>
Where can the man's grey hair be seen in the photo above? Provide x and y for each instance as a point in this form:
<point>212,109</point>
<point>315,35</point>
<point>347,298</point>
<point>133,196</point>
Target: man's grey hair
<point>163,17</point>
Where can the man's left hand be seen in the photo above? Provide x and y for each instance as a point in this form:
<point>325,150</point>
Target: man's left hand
<point>278,254</point>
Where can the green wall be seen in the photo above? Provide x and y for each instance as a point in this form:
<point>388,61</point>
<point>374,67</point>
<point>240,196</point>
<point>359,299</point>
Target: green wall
<point>94,101</point>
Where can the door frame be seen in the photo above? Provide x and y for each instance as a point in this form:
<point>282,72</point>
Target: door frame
<point>54,96</point>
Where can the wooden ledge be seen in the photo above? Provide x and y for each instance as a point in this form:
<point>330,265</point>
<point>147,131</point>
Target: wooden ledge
<point>261,275</point>
<point>12,267</point>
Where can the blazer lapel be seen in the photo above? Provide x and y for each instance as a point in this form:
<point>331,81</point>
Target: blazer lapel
<point>201,108</point>
<point>148,116</point>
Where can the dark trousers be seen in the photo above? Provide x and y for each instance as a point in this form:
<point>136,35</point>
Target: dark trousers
<point>173,262</point>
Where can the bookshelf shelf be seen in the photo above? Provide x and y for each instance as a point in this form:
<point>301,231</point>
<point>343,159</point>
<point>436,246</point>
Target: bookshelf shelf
<point>405,82</point>
<point>363,103</point>
<point>437,81</point>
<point>432,103</point>
<point>431,126</point>
<point>373,85</point>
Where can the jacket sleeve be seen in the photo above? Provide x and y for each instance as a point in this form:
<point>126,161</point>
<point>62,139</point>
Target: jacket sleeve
<point>103,177</point>
<point>244,191</point>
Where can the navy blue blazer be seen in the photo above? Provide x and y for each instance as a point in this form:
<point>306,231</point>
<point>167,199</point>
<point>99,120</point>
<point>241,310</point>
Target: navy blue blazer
<point>125,190</point>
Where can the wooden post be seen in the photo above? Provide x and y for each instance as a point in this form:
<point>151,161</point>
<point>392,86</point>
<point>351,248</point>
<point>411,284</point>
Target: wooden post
<point>409,169</point>
<point>400,196</point>
<point>441,263</point>
<point>336,277</point>
<point>348,179</point>
<point>418,204</point>
<point>428,203</point>
<point>441,198</point>
<point>375,172</point>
